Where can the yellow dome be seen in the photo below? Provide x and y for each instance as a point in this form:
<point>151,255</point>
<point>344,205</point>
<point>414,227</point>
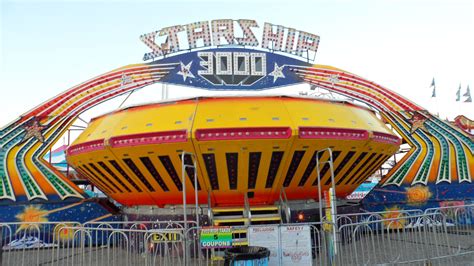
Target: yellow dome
<point>242,144</point>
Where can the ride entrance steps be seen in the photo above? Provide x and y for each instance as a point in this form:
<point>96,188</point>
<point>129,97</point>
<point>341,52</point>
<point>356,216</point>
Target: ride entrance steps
<point>234,216</point>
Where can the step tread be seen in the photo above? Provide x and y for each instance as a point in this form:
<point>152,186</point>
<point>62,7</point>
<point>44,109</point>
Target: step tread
<point>262,219</point>
<point>231,220</point>
<point>229,217</point>
<point>241,209</point>
<point>227,209</point>
<point>264,208</point>
<point>266,215</point>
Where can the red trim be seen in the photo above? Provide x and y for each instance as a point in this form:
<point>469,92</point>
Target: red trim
<point>89,146</point>
<point>386,138</point>
<point>243,133</point>
<point>397,99</point>
<point>97,100</point>
<point>65,96</point>
<point>149,138</point>
<point>332,133</point>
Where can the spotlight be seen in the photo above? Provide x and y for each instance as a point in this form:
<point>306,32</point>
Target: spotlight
<point>300,216</point>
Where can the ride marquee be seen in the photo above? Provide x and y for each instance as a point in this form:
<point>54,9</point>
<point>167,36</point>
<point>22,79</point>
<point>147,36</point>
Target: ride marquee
<point>229,32</point>
<point>228,54</point>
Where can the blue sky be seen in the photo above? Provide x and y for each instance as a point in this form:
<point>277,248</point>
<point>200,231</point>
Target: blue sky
<point>50,46</point>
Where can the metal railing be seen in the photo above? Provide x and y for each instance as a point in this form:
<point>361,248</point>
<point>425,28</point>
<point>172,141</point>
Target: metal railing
<point>210,213</point>
<point>284,205</point>
<point>436,236</point>
<point>247,212</point>
<point>184,167</point>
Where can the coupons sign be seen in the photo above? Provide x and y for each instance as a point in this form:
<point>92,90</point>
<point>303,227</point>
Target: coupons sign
<point>216,237</point>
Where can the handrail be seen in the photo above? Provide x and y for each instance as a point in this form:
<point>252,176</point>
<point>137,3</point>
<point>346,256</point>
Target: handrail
<point>285,205</point>
<point>247,209</point>
<point>210,215</point>
<point>184,167</point>
<point>332,200</point>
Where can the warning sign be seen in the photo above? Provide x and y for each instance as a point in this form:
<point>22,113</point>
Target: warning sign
<point>296,245</point>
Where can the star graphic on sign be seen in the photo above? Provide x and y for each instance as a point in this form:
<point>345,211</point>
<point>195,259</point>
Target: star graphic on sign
<point>334,79</point>
<point>417,121</point>
<point>34,130</point>
<point>277,72</point>
<point>186,71</point>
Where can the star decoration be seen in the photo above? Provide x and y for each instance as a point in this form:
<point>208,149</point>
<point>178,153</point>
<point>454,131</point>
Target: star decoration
<point>32,214</point>
<point>34,130</point>
<point>334,79</point>
<point>417,121</point>
<point>277,72</point>
<point>186,71</point>
<point>125,79</point>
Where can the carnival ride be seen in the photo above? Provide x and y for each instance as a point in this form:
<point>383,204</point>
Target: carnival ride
<point>436,170</point>
<point>258,147</point>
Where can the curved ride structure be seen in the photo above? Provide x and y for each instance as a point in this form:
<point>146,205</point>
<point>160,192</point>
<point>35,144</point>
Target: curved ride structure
<point>437,169</point>
<point>254,145</point>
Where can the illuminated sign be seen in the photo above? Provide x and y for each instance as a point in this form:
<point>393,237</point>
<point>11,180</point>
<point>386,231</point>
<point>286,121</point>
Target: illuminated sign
<point>166,236</point>
<point>230,69</point>
<point>228,32</point>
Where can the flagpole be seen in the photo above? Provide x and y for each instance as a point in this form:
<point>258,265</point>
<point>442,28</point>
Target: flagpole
<point>433,97</point>
<point>458,102</point>
<point>467,102</point>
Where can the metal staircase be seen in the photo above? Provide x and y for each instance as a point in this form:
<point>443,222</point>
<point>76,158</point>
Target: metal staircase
<point>234,216</point>
<point>245,215</point>
<point>241,217</point>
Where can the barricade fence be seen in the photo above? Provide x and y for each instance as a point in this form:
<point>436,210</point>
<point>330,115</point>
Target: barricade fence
<point>435,236</point>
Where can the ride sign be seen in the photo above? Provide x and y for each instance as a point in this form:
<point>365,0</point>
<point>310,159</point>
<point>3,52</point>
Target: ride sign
<point>230,69</point>
<point>223,32</point>
<point>227,54</point>
<point>216,237</point>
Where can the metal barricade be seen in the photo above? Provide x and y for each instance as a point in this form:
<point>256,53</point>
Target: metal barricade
<point>405,239</point>
<point>437,236</point>
<point>30,243</point>
<point>373,216</point>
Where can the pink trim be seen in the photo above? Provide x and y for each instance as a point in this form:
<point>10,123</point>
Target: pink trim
<point>89,146</point>
<point>332,133</point>
<point>386,138</point>
<point>243,133</point>
<point>149,138</point>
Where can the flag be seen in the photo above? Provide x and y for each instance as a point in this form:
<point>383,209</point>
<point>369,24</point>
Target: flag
<point>468,92</point>
<point>458,94</point>
<point>468,95</point>
<point>433,94</point>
